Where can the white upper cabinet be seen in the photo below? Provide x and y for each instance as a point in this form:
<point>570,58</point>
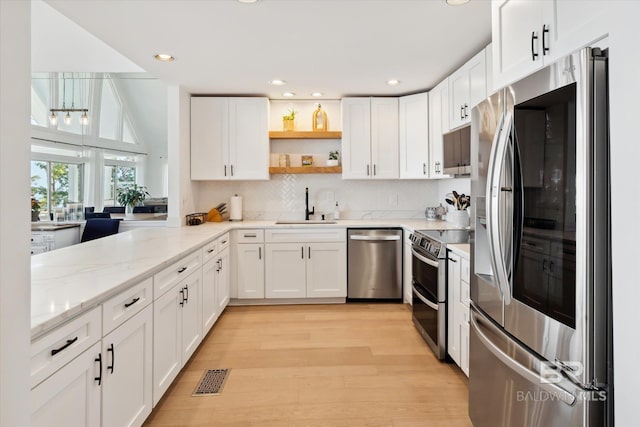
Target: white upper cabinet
<point>414,136</point>
<point>438,124</point>
<point>229,138</point>
<point>370,138</point>
<point>467,87</point>
<point>527,34</point>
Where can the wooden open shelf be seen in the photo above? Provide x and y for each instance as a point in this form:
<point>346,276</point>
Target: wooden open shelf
<point>306,169</point>
<point>305,135</point>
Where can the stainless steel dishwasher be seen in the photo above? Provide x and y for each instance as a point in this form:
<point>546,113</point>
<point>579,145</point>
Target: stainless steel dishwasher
<point>374,264</point>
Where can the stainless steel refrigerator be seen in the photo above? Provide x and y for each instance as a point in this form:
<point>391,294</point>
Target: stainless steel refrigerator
<point>540,338</point>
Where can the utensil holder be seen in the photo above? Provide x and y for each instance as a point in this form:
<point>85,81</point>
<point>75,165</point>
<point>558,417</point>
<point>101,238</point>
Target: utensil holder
<point>458,218</point>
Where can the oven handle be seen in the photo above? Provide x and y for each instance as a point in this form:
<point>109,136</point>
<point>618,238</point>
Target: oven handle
<point>424,300</point>
<point>425,259</point>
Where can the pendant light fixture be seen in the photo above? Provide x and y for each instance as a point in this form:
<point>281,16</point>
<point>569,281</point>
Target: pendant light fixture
<point>53,118</point>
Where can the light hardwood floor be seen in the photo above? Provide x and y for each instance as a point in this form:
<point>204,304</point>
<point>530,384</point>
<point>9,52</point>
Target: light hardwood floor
<point>318,365</point>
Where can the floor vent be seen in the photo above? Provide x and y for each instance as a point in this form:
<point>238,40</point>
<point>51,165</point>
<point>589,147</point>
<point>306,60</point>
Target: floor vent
<point>211,382</point>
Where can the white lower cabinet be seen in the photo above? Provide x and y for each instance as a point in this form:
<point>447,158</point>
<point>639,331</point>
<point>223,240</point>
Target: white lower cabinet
<point>458,310</point>
<point>71,396</point>
<point>210,312</point>
<point>127,374</point>
<point>305,263</point>
<point>177,331</point>
<point>285,270</point>
<point>224,279</point>
<point>326,270</point>
<point>250,270</point>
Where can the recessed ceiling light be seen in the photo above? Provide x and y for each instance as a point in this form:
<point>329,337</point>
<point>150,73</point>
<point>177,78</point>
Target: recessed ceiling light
<point>278,82</point>
<point>456,2</point>
<point>317,94</point>
<point>164,57</point>
<point>393,82</point>
<point>288,94</point>
<point>248,1</point>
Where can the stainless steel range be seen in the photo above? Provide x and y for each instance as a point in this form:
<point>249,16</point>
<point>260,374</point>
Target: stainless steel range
<point>429,280</point>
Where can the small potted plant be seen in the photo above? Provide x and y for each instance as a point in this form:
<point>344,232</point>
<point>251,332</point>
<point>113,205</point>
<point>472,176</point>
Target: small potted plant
<point>333,158</point>
<point>287,120</point>
<point>35,209</point>
<point>131,195</point>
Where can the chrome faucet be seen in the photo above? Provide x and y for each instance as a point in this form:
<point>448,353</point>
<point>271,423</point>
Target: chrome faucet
<point>307,212</point>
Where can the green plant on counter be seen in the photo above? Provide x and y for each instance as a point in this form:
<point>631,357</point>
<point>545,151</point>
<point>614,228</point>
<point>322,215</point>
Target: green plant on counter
<point>290,116</point>
<point>333,155</point>
<point>131,195</point>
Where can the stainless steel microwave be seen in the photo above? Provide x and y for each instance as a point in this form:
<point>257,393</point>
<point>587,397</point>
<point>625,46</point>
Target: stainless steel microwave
<point>457,152</point>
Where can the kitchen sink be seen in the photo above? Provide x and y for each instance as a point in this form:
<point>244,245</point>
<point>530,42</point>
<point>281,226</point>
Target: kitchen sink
<point>308,221</point>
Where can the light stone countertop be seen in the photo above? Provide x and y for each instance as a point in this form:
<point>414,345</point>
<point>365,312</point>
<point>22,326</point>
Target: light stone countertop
<point>463,249</point>
<point>72,280</point>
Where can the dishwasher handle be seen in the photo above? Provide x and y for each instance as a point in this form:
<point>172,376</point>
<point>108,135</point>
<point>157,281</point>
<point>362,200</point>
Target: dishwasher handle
<point>374,238</point>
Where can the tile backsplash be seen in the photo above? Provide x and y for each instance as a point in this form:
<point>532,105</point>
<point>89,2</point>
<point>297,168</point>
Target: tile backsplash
<point>282,197</point>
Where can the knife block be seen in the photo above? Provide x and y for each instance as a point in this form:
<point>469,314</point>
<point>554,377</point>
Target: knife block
<point>214,216</point>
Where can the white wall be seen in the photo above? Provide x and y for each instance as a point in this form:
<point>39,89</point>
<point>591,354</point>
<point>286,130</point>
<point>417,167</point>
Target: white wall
<point>282,197</point>
<point>15,292</point>
<point>625,154</point>
<point>182,191</point>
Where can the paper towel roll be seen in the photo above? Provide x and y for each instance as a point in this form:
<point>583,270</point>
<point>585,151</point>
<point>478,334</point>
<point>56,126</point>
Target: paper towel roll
<point>235,209</point>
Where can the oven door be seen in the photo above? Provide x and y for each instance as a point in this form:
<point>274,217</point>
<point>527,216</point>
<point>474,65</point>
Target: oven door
<point>429,314</point>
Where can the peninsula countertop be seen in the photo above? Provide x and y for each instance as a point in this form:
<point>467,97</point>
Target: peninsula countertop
<point>71,280</point>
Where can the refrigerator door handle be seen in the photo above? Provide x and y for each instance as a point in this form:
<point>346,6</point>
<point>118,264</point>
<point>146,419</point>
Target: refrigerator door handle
<point>531,376</point>
<point>493,204</point>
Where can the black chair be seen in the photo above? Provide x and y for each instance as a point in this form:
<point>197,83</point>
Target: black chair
<point>143,209</point>
<point>91,215</point>
<point>113,209</point>
<point>96,228</point>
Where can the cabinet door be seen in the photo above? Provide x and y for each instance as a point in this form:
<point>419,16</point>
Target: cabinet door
<point>385,138</point>
<point>127,374</point>
<point>326,270</point>
<point>464,345</point>
<point>248,138</point>
<point>285,270</point>
<point>71,396</point>
<point>459,98</point>
<point>191,315</point>
<point>223,279</point>
<point>414,136</point>
<point>453,326</point>
<point>477,68</point>
<point>209,137</point>
<point>356,138</point>
<point>210,275</point>
<point>167,340</point>
<point>250,270</point>
<point>514,24</point>
<point>438,117</point>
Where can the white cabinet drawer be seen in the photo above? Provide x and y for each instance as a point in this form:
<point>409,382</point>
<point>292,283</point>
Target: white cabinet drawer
<point>249,236</point>
<point>125,305</point>
<point>164,280</point>
<point>54,350</point>
<point>209,251</point>
<point>223,241</point>
<point>465,271</point>
<point>306,235</point>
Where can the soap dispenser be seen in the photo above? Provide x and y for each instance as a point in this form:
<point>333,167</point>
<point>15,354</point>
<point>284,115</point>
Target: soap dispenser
<point>336,212</point>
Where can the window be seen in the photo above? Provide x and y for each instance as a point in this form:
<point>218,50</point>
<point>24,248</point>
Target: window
<point>115,177</point>
<point>56,184</point>
<point>114,120</point>
<point>57,176</point>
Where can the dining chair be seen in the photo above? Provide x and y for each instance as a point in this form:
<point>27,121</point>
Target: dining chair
<point>90,215</point>
<point>113,209</point>
<point>143,209</point>
<point>96,228</point>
